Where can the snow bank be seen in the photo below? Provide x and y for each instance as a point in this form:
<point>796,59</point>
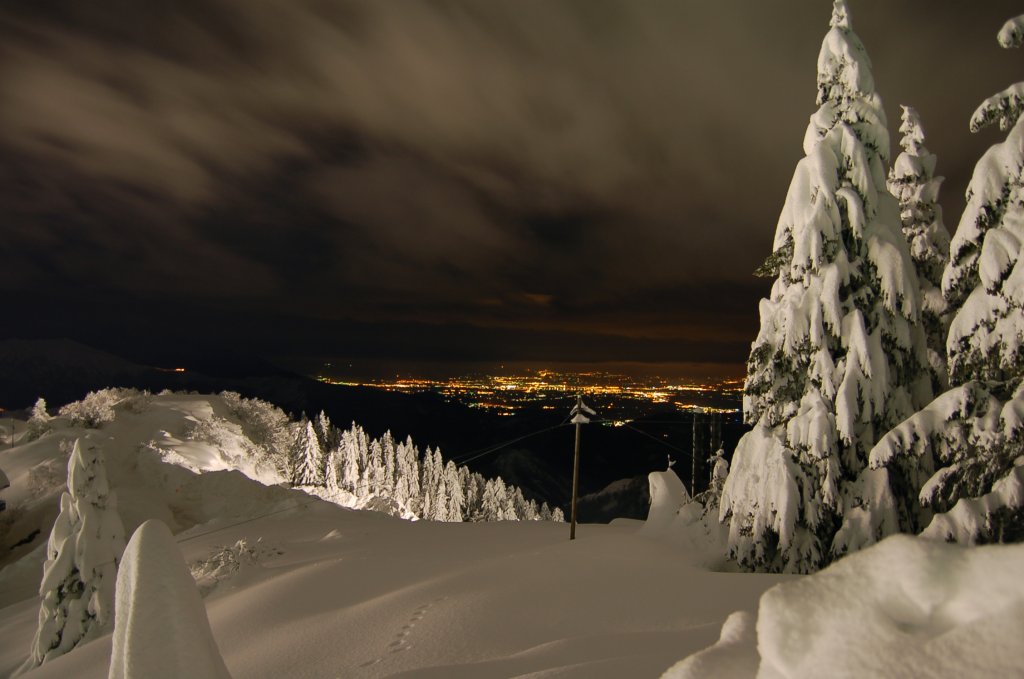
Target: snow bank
<point>906,607</point>
<point>161,628</point>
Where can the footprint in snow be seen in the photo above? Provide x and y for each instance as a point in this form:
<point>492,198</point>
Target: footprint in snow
<point>401,639</point>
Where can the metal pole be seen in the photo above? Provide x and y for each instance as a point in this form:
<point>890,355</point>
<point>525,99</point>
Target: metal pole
<point>575,483</point>
<point>693,459</point>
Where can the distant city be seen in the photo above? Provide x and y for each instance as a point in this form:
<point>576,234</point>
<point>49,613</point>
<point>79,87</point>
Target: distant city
<point>619,397</point>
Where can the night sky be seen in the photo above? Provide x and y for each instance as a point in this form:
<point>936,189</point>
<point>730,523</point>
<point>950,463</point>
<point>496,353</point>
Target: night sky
<point>429,182</point>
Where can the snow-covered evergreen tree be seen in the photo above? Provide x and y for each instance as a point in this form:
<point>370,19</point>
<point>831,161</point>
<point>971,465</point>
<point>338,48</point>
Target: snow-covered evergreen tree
<point>82,556</point>
<point>307,458</point>
<point>375,473</point>
<point>407,483</point>
<point>474,487</point>
<point>490,507</point>
<point>326,433</point>
<point>350,458</point>
<point>389,453</point>
<point>913,182</point>
<point>38,420</point>
<point>331,470</point>
<point>454,494</point>
<point>968,445</point>
<point>840,357</point>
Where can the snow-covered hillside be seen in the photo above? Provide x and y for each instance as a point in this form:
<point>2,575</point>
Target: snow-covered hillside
<point>299,587</point>
<point>295,586</point>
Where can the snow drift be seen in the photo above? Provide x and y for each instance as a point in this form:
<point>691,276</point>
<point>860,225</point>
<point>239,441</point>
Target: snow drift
<point>906,607</point>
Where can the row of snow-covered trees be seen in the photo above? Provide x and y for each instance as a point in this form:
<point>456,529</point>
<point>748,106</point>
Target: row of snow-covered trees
<point>382,472</point>
<point>420,484</point>
<point>885,385</point>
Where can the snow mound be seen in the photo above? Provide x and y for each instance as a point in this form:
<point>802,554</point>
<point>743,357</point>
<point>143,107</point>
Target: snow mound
<point>161,628</point>
<point>906,607</point>
<point>668,495</point>
<point>734,655</point>
<point>677,518</point>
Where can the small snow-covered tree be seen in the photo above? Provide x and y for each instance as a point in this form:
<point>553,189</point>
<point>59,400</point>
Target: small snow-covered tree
<point>38,421</point>
<point>307,458</point>
<point>840,357</point>
<point>968,444</point>
<point>82,556</point>
<point>711,498</point>
<point>912,180</point>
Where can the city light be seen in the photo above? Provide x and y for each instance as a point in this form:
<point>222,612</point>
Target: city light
<point>543,389</point>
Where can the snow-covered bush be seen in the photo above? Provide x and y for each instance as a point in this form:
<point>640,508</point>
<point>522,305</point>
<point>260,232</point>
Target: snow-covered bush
<point>228,561</point>
<point>841,357</point>
<point>83,553</point>
<point>92,411</point>
<point>135,401</point>
<point>266,425</point>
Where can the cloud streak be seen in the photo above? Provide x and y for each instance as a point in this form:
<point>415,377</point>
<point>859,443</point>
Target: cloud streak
<point>507,165</point>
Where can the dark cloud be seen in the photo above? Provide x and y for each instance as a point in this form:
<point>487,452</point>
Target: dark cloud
<point>526,179</point>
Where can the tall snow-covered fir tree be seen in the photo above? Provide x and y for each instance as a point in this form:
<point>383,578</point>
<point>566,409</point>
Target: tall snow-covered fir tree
<point>970,440</point>
<point>913,182</point>
<point>82,556</point>
<point>307,457</point>
<point>840,357</point>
